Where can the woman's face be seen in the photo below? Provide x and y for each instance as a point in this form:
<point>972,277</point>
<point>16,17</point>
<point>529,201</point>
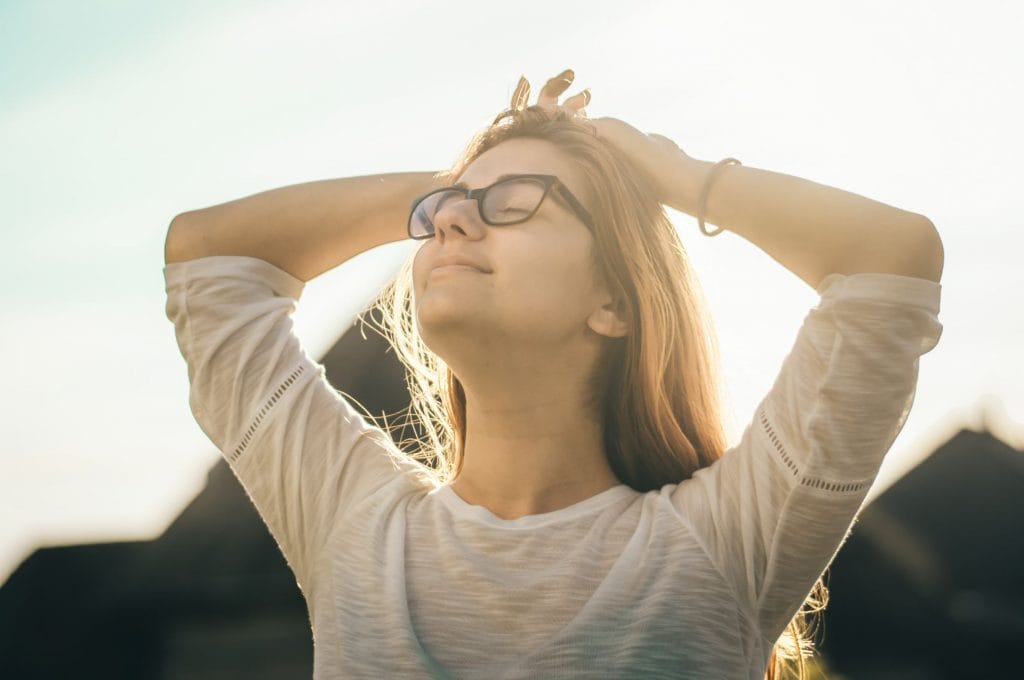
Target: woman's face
<point>533,283</point>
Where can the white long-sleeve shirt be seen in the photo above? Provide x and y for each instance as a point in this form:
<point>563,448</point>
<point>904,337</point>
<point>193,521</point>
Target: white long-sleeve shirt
<point>694,580</point>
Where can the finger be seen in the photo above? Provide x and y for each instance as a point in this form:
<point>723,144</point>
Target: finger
<point>669,143</point>
<point>578,101</point>
<point>664,140</point>
<point>521,96</point>
<point>553,88</point>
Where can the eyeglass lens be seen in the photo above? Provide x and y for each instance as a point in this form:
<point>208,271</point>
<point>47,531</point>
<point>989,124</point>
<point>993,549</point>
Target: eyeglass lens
<point>507,202</point>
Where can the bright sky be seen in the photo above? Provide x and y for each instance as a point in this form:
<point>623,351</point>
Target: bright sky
<point>116,115</point>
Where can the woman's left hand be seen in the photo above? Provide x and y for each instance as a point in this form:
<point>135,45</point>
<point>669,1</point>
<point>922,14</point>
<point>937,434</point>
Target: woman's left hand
<point>666,168</point>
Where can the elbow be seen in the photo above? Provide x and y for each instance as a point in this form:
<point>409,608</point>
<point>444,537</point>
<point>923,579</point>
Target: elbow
<point>180,243</point>
<point>930,255</point>
<point>910,247</point>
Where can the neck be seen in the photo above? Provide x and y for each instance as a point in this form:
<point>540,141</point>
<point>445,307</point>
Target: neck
<point>532,443</point>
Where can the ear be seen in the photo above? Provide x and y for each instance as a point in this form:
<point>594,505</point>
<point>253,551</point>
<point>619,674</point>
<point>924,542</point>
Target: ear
<point>609,319</point>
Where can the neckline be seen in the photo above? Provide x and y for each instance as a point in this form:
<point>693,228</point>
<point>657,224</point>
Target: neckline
<point>478,513</point>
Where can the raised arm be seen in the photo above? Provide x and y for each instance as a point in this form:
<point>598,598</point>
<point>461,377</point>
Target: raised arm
<point>304,229</point>
<point>303,453</point>
<point>811,229</point>
<point>815,230</point>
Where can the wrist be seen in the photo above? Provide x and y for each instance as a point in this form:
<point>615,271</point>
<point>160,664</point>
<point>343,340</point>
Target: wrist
<point>687,185</point>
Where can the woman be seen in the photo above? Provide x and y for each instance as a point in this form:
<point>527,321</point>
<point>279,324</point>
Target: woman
<point>580,514</point>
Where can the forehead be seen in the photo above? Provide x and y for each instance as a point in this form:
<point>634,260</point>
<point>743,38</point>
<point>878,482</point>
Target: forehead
<point>522,155</point>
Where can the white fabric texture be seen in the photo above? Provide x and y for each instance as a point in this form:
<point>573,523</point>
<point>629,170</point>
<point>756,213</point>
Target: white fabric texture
<point>695,580</point>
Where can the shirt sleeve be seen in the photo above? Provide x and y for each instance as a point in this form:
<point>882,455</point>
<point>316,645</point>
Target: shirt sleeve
<point>300,450</point>
<point>775,509</point>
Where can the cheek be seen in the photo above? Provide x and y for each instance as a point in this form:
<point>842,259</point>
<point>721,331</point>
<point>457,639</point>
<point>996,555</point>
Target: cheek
<point>417,268</point>
<point>554,286</point>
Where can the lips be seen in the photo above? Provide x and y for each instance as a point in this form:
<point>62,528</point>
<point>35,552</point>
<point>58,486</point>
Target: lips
<point>461,260</point>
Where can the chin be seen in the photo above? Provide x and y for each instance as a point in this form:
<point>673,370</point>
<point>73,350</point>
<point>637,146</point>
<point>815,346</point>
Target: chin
<point>438,323</point>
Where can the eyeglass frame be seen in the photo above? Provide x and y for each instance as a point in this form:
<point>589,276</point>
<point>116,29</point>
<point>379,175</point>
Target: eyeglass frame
<point>550,181</point>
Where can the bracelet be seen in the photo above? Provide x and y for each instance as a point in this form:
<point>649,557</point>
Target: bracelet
<point>702,202</point>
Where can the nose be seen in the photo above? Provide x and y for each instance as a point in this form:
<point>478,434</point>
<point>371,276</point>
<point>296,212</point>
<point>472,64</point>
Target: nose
<point>459,218</point>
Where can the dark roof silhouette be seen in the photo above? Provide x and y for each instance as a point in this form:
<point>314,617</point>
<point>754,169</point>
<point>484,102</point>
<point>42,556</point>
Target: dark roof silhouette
<point>930,583</point>
<point>210,598</point>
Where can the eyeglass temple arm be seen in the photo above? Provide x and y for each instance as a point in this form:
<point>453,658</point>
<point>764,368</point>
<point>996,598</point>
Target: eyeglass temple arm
<point>576,205</point>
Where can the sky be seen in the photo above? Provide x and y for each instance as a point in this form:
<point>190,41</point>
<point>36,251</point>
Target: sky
<point>115,116</point>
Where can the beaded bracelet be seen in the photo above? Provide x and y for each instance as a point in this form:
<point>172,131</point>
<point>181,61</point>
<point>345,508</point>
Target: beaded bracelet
<point>702,202</point>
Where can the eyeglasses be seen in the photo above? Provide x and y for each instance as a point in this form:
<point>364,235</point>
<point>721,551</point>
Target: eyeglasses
<point>510,200</point>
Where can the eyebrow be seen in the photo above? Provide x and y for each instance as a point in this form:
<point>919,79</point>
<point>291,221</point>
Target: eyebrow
<point>465,187</point>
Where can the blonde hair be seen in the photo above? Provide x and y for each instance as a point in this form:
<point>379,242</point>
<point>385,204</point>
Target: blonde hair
<point>656,390</point>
